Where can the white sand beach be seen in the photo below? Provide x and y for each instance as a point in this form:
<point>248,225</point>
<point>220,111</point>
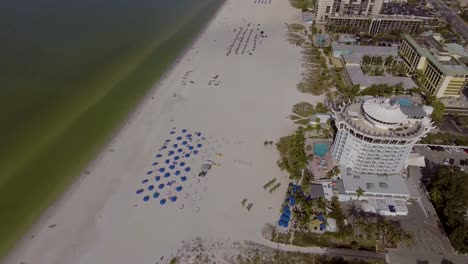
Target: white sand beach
<point>101,219</point>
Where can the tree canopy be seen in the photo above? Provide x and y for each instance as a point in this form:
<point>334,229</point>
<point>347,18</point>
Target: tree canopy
<point>449,193</point>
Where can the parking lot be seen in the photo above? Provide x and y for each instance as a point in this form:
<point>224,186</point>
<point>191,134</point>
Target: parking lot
<point>455,156</point>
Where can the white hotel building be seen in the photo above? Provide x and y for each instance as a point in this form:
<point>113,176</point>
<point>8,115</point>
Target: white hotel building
<point>376,135</point>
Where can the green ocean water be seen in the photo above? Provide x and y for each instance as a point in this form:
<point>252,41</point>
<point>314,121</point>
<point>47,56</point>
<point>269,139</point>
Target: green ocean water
<point>70,73</point>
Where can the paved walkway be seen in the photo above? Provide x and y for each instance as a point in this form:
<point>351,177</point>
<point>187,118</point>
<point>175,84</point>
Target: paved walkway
<point>325,251</point>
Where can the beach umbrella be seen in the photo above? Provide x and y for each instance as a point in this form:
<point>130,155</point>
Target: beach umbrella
<point>176,158</point>
<point>178,188</point>
<point>179,138</point>
<point>182,164</point>
<point>171,167</point>
<point>146,198</point>
<point>163,201</point>
<point>144,181</point>
<point>172,132</point>
<point>155,163</point>
<point>139,191</point>
<point>157,178</point>
<point>287,213</point>
<point>167,161</point>
<point>180,150</point>
<point>177,173</point>
<point>187,155</point>
<point>199,134</point>
<point>190,148</point>
<point>286,224</point>
<point>151,187</point>
<point>155,195</point>
<point>168,140</point>
<point>149,172</point>
<point>170,153</point>
<point>158,156</point>
<point>175,145</point>
<point>188,135</point>
<point>195,152</point>
<point>280,222</point>
<point>173,198</point>
<point>161,170</point>
<point>199,145</point>
<point>184,130</point>
<point>292,202</point>
<point>167,174</point>
<point>187,169</point>
<point>161,186</point>
<point>183,178</point>
<point>164,147</point>
<point>184,143</point>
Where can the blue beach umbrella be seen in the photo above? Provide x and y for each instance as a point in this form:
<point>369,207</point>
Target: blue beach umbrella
<point>167,161</point>
<point>164,147</point>
<point>280,222</point>
<point>163,201</point>
<point>176,158</point>
<point>157,178</point>
<point>158,156</point>
<point>155,163</point>
<point>168,140</point>
<point>171,167</point>
<point>195,152</point>
<point>189,135</point>
<point>167,174</point>
<point>170,153</point>
<point>183,178</point>
<point>199,134</point>
<point>162,169</point>
<point>184,130</point>
<point>179,138</point>
<point>184,143</point>
<point>180,150</point>
<point>285,218</point>
<point>187,155</point>
<point>144,181</point>
<point>182,164</point>
<point>149,172</point>
<point>187,169</point>
<point>177,173</point>
<point>151,187</point>
<point>287,213</point>
<point>146,198</point>
<point>172,132</point>
<point>173,198</point>
<point>139,191</point>
<point>292,202</point>
<point>175,146</point>
<point>199,145</point>
<point>178,188</point>
<point>190,148</point>
<point>161,186</point>
<point>155,195</point>
<point>286,224</point>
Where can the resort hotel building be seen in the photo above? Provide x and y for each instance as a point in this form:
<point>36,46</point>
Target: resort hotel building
<point>443,74</point>
<point>376,135</point>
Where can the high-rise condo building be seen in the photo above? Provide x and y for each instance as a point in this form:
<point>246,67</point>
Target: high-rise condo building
<point>335,8</point>
<point>442,74</point>
<point>376,135</point>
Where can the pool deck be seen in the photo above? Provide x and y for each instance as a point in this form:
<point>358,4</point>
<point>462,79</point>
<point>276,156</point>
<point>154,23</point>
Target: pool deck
<point>313,164</point>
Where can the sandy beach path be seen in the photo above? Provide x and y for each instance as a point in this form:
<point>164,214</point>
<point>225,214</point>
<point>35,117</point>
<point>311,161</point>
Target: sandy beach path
<point>235,87</point>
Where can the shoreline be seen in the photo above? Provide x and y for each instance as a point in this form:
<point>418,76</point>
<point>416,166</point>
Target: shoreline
<point>99,214</point>
<point>82,174</point>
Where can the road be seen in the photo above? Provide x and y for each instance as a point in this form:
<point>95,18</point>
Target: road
<point>457,23</point>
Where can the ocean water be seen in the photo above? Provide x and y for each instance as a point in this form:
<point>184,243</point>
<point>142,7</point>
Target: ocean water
<point>70,72</point>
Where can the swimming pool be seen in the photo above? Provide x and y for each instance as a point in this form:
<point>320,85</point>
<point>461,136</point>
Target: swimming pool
<point>405,101</point>
<point>320,149</point>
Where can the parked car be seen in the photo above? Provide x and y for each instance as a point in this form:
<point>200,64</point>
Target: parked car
<point>458,150</point>
<point>451,161</point>
<point>462,162</point>
<point>446,161</point>
<point>449,150</point>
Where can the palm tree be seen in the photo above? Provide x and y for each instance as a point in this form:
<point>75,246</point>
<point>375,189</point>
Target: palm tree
<point>359,192</point>
<point>388,61</point>
<point>366,60</point>
<point>321,204</point>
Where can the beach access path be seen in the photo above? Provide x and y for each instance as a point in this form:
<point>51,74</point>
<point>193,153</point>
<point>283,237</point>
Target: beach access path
<point>236,85</point>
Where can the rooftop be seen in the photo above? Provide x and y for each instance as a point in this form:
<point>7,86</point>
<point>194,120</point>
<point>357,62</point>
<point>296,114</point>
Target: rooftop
<point>343,49</point>
<point>430,48</point>
<point>373,184</point>
<point>405,9</point>
<point>399,118</point>
<point>358,77</point>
